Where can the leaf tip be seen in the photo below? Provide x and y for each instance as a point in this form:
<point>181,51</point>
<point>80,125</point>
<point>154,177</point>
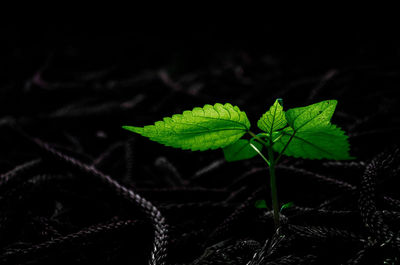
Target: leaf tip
<point>132,128</point>
<point>261,204</point>
<point>332,102</point>
<point>351,157</point>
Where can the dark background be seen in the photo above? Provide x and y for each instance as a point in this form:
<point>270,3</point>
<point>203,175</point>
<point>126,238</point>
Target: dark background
<point>74,84</point>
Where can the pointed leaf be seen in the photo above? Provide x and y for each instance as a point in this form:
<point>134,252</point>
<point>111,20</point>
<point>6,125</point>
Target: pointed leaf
<point>241,150</point>
<point>210,127</point>
<point>274,119</point>
<point>261,204</point>
<point>287,205</point>
<point>326,141</point>
<point>303,118</point>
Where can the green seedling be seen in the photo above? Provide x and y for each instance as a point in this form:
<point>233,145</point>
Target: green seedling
<point>304,132</point>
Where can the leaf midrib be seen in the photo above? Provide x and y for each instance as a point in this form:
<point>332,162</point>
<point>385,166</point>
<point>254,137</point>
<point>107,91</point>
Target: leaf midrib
<point>219,119</point>
<point>273,121</point>
<point>205,131</point>
<point>315,146</point>
<point>296,130</point>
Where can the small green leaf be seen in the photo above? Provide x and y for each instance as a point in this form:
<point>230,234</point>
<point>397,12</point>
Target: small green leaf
<point>274,119</point>
<point>326,141</point>
<point>210,127</point>
<point>241,150</point>
<point>287,205</point>
<point>318,114</point>
<point>261,204</point>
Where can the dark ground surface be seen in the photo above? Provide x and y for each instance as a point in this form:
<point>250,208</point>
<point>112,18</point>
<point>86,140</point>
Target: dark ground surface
<point>72,181</point>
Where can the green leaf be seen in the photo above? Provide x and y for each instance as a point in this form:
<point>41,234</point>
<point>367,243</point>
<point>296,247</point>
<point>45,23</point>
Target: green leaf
<point>325,141</point>
<point>261,204</point>
<point>318,114</point>
<point>210,127</point>
<point>241,150</point>
<point>311,134</point>
<point>274,119</point>
<point>287,205</point>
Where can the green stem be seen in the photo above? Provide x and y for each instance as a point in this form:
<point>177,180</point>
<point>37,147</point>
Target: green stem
<point>258,152</point>
<point>258,138</point>
<point>271,165</point>
<point>274,191</point>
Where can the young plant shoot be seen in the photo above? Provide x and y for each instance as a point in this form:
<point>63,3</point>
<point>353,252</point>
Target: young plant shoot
<point>304,132</point>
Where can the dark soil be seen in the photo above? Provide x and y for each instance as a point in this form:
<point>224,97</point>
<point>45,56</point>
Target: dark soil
<point>77,189</point>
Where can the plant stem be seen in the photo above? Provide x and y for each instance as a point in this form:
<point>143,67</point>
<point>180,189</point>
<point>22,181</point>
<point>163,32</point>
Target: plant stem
<point>258,138</point>
<point>258,152</point>
<point>274,191</point>
<point>271,165</point>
